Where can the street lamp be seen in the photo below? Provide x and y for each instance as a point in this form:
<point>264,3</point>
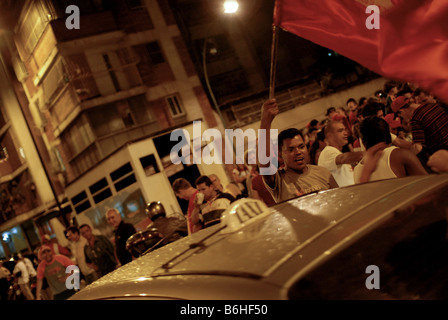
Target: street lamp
<point>212,51</point>
<point>230,6</point>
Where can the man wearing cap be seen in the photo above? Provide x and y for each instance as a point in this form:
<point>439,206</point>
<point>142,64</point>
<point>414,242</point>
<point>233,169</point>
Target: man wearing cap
<point>56,248</point>
<point>52,267</point>
<point>393,123</point>
<point>429,122</point>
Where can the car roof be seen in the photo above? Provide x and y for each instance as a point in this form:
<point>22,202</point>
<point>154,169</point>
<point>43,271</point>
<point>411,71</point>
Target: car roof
<point>259,248</point>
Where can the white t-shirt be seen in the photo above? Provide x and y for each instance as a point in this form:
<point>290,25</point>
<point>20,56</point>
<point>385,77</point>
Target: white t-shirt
<point>29,267</point>
<point>77,248</point>
<point>24,278</point>
<point>342,173</point>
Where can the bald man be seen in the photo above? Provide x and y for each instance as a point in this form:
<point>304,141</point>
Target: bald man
<point>123,231</point>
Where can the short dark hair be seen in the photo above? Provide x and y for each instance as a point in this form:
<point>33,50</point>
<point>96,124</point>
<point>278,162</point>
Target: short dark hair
<point>361,101</point>
<point>72,229</point>
<point>389,85</point>
<point>288,134</point>
<point>84,225</point>
<point>351,100</point>
<point>313,123</point>
<point>181,184</point>
<point>204,179</point>
<point>418,91</point>
<point>330,110</point>
<point>374,130</point>
<point>371,109</point>
<point>404,91</point>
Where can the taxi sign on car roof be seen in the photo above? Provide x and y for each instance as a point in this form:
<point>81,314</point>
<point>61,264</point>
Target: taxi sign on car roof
<point>242,213</point>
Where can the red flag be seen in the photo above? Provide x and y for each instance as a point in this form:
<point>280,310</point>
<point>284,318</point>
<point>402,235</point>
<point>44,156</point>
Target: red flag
<point>411,43</point>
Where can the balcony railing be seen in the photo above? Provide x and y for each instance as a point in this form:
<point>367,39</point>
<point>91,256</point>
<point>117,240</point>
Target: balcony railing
<point>91,24</point>
<point>247,112</point>
<point>104,146</point>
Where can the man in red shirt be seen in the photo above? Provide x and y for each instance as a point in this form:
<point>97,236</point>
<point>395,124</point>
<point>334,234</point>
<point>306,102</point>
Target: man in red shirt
<point>52,267</point>
<point>183,189</point>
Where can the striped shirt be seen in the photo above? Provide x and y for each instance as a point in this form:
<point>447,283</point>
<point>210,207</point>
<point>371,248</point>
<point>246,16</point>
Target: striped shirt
<point>430,127</point>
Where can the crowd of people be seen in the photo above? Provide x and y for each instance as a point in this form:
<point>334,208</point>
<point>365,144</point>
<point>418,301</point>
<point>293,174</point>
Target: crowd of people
<point>43,276</point>
<point>399,131</point>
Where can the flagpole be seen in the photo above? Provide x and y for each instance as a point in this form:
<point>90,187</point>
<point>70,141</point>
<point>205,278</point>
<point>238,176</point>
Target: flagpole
<point>273,61</point>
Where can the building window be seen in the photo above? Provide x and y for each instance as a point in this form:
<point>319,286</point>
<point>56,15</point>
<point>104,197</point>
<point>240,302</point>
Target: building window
<point>123,177</point>
<point>81,202</point>
<point>32,27</point>
<point>175,106</point>
<point>140,109</point>
<point>149,165</point>
<point>78,137</point>
<point>100,190</point>
<point>155,53</point>
<point>111,71</point>
<point>135,4</point>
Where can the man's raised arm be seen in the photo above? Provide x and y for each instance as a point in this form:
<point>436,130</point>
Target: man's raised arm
<point>268,112</point>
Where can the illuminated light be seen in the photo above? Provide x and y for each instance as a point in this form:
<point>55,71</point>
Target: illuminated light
<point>22,152</point>
<point>231,6</point>
<point>142,279</point>
<point>213,51</point>
<point>3,154</point>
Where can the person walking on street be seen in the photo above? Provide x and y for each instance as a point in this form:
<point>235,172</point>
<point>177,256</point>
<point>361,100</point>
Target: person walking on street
<point>23,277</point>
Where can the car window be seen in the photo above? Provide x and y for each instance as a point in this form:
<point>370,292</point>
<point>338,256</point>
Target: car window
<point>406,257</point>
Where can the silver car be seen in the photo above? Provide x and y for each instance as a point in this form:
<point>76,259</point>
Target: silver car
<point>379,240</point>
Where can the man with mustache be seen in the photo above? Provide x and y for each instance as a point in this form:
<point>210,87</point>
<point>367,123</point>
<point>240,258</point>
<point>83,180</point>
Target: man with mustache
<point>297,177</point>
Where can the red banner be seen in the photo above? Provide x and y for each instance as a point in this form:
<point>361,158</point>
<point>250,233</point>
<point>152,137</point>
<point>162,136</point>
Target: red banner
<point>410,44</point>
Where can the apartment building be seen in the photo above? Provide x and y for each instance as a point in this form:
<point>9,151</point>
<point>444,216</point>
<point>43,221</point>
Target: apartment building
<point>105,96</point>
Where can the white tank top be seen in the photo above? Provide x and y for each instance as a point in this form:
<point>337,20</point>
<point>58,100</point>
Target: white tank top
<point>382,171</point>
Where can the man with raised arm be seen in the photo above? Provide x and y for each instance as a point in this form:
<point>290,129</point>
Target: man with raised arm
<point>297,177</point>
